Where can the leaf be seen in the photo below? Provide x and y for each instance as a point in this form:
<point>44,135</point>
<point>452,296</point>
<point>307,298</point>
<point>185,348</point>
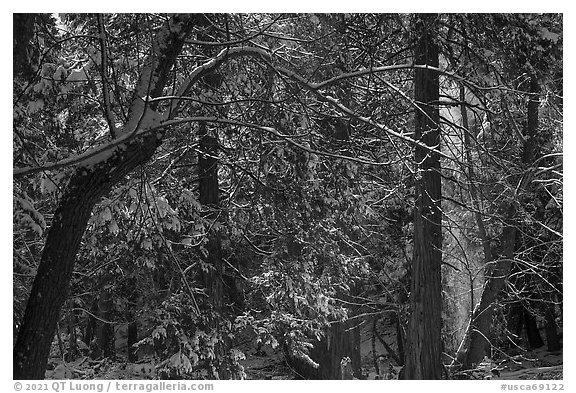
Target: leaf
<point>548,35</point>
<point>34,106</point>
<point>186,365</point>
<point>78,75</point>
<point>106,214</point>
<point>47,186</point>
<point>146,244</point>
<point>59,74</point>
<point>176,360</point>
<point>194,357</point>
<point>159,332</point>
<point>113,227</point>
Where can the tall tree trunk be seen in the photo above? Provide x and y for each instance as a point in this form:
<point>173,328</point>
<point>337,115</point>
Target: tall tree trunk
<point>104,329</point>
<point>209,198</point>
<point>73,350</point>
<point>514,322</point>
<point>552,338</point>
<point>497,276</point>
<point>85,188</point>
<point>482,317</point>
<point>532,332</point>
<point>132,320</point>
<point>50,287</point>
<point>423,352</point>
<point>131,340</point>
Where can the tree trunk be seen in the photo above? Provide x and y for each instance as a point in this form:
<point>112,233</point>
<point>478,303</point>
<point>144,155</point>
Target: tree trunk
<point>552,338</point>
<point>50,287</point>
<point>342,340</point>
<point>514,322</point>
<point>209,198</point>
<point>73,350</point>
<point>104,331</point>
<point>496,279</point>
<point>132,320</point>
<point>131,340</point>
<point>532,332</point>
<point>423,352</point>
<point>90,323</point>
<point>85,188</point>
<point>482,317</point>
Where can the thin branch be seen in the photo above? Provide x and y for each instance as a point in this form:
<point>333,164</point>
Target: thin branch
<point>273,131</point>
<point>105,88</point>
<point>212,64</point>
<point>338,105</point>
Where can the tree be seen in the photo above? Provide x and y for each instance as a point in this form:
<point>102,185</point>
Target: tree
<point>213,175</point>
<point>529,58</point>
<point>98,171</point>
<point>424,333</point>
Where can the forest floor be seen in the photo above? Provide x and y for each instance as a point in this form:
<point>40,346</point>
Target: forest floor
<point>535,365</point>
<point>538,364</point>
<point>269,364</point>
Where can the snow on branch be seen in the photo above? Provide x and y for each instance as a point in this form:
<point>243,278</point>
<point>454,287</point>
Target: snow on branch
<point>362,72</point>
<point>275,132</point>
<point>343,109</point>
<point>166,46</point>
<point>211,65</point>
<point>143,119</point>
<point>87,159</point>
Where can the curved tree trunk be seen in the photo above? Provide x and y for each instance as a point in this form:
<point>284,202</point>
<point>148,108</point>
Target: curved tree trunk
<point>423,352</point>
<point>482,318</point>
<point>496,278</point>
<point>50,287</point>
<point>87,185</point>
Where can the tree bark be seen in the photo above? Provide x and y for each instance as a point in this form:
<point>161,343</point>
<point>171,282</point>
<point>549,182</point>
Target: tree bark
<point>551,329</point>
<point>132,320</point>
<point>131,340</point>
<point>85,188</point>
<point>73,350</point>
<point>423,352</point>
<point>209,198</point>
<point>532,332</point>
<point>105,340</point>
<point>50,287</point>
<point>482,317</point>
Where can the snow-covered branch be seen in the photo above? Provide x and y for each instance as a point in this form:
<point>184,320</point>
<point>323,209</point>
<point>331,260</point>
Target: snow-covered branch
<point>143,119</point>
<point>87,159</point>
<point>275,132</point>
<point>343,109</point>
<point>165,48</point>
<point>211,65</point>
<point>362,72</point>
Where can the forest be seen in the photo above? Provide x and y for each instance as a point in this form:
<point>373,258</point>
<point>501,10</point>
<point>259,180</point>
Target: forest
<point>287,196</point>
